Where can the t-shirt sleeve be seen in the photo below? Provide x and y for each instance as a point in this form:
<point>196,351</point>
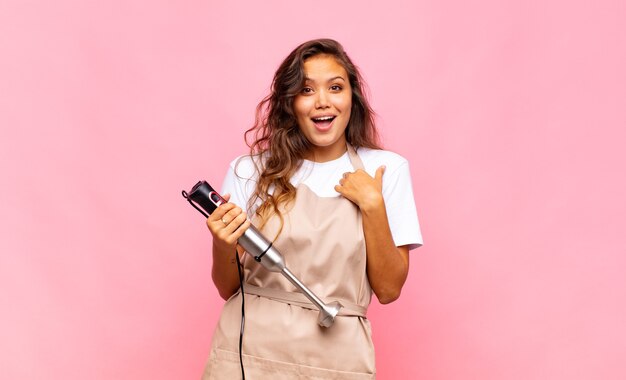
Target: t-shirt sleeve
<point>239,182</point>
<point>400,206</point>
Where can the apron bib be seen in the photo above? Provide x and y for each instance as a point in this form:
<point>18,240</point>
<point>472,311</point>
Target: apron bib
<point>323,245</point>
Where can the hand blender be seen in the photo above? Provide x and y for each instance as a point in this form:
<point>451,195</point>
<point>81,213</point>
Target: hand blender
<point>261,249</point>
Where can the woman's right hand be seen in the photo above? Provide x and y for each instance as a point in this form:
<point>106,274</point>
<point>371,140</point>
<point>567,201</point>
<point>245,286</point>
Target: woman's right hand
<point>227,224</point>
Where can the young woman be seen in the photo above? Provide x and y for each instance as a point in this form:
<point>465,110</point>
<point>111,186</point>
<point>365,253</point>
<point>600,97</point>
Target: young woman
<point>339,209</point>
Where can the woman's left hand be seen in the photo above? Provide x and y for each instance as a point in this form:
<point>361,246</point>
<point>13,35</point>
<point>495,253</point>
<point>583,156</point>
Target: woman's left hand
<point>387,265</point>
<point>362,189</point>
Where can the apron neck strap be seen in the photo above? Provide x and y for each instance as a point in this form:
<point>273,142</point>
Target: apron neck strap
<point>355,160</point>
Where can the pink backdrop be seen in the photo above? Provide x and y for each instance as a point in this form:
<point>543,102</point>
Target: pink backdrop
<point>512,115</point>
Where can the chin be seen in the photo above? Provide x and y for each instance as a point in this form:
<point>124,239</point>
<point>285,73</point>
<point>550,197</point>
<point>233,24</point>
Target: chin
<point>323,143</point>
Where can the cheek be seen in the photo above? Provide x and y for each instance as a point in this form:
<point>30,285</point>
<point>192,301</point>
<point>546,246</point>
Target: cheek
<point>301,108</point>
<point>346,109</point>
<point>346,103</point>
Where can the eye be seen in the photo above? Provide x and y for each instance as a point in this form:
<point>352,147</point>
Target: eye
<point>306,90</point>
<point>336,87</point>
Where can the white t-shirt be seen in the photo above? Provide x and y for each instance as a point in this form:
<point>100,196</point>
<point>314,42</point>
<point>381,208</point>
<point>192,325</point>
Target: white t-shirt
<point>321,178</point>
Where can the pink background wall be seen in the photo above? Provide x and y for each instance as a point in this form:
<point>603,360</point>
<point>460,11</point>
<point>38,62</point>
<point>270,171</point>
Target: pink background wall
<point>512,115</point>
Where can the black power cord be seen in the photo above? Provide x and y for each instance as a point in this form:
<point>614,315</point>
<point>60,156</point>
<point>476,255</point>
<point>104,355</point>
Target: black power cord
<point>243,314</point>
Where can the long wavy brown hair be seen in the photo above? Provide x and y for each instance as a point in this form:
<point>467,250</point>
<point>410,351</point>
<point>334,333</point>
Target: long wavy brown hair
<point>276,140</point>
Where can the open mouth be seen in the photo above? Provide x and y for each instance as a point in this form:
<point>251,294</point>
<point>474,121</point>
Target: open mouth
<point>323,122</point>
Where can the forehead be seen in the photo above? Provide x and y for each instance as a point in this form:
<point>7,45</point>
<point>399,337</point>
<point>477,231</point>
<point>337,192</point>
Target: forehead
<point>323,67</point>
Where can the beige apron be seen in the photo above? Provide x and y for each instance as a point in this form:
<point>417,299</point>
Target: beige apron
<point>323,245</point>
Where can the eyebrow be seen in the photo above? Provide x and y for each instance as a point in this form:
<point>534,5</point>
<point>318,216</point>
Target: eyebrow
<point>330,80</point>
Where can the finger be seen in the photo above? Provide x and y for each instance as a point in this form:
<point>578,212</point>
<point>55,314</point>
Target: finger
<point>379,173</point>
<point>234,224</point>
<point>223,207</point>
<point>231,215</point>
<point>241,229</point>
<point>219,212</point>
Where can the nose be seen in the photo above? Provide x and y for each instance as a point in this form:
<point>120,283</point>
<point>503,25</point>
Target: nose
<point>321,101</point>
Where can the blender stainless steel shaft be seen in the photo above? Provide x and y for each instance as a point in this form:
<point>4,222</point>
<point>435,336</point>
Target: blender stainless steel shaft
<point>261,249</point>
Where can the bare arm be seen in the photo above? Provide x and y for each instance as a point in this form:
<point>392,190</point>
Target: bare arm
<point>227,223</point>
<point>387,265</point>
